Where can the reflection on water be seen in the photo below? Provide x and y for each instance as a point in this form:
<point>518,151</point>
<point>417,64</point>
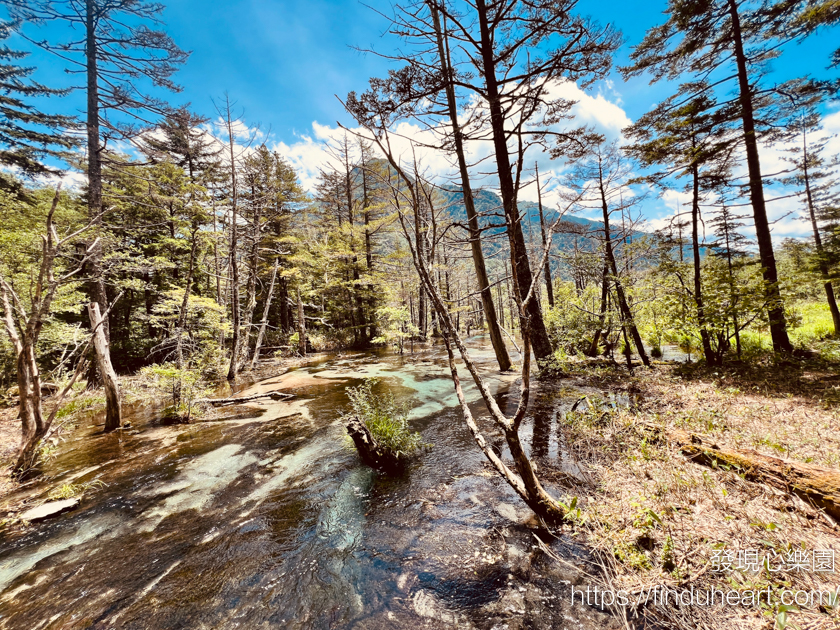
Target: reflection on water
<point>272,522</point>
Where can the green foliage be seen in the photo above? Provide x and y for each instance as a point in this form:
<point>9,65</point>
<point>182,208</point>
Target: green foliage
<point>385,418</point>
<point>395,326</point>
<point>571,324</point>
<point>204,320</point>
<point>78,405</point>
<point>70,490</point>
<point>182,386</point>
<point>27,135</point>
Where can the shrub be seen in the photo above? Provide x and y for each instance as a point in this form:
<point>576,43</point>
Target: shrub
<point>183,386</point>
<point>385,418</point>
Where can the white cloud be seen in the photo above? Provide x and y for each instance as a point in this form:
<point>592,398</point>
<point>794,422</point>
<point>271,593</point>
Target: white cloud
<point>606,116</point>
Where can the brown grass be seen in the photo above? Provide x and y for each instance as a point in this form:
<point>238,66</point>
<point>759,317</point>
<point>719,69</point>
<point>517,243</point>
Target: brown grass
<point>658,519</point>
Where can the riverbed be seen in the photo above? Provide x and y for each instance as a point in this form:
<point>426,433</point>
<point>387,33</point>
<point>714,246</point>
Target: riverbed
<point>266,518</point>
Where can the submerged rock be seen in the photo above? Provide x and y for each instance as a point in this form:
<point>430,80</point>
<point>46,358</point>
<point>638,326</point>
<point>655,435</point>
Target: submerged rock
<point>50,509</point>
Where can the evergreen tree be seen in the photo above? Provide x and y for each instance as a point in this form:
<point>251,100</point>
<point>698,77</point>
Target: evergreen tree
<point>703,37</point>
<point>815,180</point>
<point>691,140</point>
<point>184,143</point>
<point>118,53</point>
<point>27,135</point>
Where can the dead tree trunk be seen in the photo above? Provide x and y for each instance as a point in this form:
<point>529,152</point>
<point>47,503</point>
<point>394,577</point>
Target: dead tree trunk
<point>301,326</point>
<point>113,412</point>
<point>814,484</point>
<point>522,478</point>
<point>372,452</point>
<point>264,322</point>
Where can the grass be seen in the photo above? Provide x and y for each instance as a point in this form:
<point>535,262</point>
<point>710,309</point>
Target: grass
<point>810,328</point>
<point>79,404</point>
<point>385,418</point>
<point>656,519</point>
<point>71,490</point>
<point>813,323</point>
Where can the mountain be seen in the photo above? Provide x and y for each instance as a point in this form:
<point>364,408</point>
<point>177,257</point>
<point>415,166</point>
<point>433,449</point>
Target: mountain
<point>570,230</point>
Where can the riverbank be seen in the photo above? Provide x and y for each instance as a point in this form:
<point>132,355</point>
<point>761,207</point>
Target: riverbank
<point>662,523</point>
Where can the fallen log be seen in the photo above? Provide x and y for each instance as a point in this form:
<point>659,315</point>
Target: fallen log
<point>232,401</point>
<point>372,452</point>
<point>816,485</point>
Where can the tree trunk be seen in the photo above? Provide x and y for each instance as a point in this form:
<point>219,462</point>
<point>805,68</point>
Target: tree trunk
<point>31,413</point>
<point>264,323</point>
<point>251,288</point>
<point>775,308</point>
<point>814,484</point>
<point>371,300</point>
<point>520,266</point>
<point>626,313</point>
<point>96,288</point>
<point>829,289</point>
<point>185,302</point>
<point>372,452</point>
<point>711,357</point>
<point>234,259</point>
<point>605,289</point>
<point>113,412</point>
<point>499,348</point>
<point>549,289</point>
<point>301,326</point>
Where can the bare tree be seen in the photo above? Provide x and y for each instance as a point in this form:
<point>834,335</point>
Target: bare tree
<point>413,194</point>
<point>514,107</point>
<point>23,325</point>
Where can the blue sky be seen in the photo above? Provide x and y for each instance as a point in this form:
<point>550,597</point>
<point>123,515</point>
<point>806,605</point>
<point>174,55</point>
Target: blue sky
<point>283,61</point>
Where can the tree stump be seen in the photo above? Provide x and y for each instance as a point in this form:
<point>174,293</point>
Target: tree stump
<point>372,452</point>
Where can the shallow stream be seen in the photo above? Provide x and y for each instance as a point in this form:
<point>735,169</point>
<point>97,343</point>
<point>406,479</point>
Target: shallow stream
<point>269,520</point>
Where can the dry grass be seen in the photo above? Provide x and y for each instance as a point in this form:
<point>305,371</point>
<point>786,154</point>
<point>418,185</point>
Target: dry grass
<point>658,519</point>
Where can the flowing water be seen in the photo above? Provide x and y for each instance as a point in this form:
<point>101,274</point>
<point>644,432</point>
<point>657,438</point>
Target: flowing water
<point>267,519</point>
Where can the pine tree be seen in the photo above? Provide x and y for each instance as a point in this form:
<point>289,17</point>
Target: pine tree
<point>27,135</point>
<point>705,37</point>
<point>692,140</point>
<point>184,143</point>
<point>116,55</point>
<point>815,178</point>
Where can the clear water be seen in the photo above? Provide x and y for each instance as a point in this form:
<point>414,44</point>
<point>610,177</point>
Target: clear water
<point>271,521</point>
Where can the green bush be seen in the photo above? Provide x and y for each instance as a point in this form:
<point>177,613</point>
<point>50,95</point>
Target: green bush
<point>182,386</point>
<point>385,418</point>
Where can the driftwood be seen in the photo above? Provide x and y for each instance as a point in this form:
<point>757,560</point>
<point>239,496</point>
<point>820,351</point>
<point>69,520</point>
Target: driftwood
<point>814,484</point>
<point>372,452</point>
<point>232,401</point>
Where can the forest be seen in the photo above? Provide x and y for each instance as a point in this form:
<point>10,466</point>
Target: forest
<point>480,362</point>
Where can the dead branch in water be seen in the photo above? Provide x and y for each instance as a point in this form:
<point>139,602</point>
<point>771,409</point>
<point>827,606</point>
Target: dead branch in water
<point>275,395</point>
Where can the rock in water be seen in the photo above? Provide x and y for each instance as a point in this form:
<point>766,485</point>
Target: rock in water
<point>48,510</point>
